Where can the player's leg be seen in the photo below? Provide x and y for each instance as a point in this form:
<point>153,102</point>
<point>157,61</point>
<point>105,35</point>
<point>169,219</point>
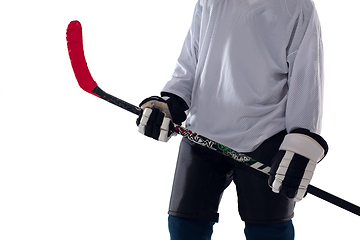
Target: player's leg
<point>264,212</point>
<point>190,229</point>
<point>200,178</point>
<point>277,231</point>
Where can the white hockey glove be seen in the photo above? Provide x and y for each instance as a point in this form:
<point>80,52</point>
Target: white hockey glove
<point>293,166</point>
<point>156,120</point>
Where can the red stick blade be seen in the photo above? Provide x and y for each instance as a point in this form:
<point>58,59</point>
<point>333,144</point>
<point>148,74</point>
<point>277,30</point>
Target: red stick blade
<point>77,57</point>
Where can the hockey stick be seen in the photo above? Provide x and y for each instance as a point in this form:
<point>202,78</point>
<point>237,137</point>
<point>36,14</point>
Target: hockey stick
<point>87,83</point>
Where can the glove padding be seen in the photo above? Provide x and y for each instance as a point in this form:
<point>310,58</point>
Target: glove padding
<point>153,123</point>
<point>294,165</point>
<point>156,120</point>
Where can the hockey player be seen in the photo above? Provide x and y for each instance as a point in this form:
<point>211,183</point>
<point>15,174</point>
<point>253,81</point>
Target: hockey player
<point>250,77</point>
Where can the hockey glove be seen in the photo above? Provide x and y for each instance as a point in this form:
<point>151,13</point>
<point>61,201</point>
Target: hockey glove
<point>293,166</point>
<point>156,120</point>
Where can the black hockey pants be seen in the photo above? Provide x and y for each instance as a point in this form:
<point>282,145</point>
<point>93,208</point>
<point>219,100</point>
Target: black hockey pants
<point>202,175</point>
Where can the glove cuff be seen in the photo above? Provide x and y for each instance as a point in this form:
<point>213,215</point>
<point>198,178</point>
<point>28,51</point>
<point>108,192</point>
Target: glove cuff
<point>305,143</point>
<point>315,136</point>
<point>177,107</point>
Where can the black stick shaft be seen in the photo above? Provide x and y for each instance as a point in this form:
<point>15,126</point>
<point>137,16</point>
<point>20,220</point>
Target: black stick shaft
<point>230,153</point>
<point>116,101</point>
<point>334,200</point>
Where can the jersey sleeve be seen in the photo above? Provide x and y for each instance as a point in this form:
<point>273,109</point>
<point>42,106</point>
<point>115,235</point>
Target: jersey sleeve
<point>305,76</point>
<point>182,81</point>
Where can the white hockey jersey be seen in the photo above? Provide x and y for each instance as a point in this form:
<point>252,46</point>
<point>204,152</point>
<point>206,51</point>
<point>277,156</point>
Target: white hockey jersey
<point>249,69</point>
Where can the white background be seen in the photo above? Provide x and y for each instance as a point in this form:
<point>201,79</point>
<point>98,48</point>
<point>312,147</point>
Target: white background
<point>73,166</point>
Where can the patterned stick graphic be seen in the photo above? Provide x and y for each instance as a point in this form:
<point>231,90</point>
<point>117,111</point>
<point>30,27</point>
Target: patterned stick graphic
<point>205,142</point>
